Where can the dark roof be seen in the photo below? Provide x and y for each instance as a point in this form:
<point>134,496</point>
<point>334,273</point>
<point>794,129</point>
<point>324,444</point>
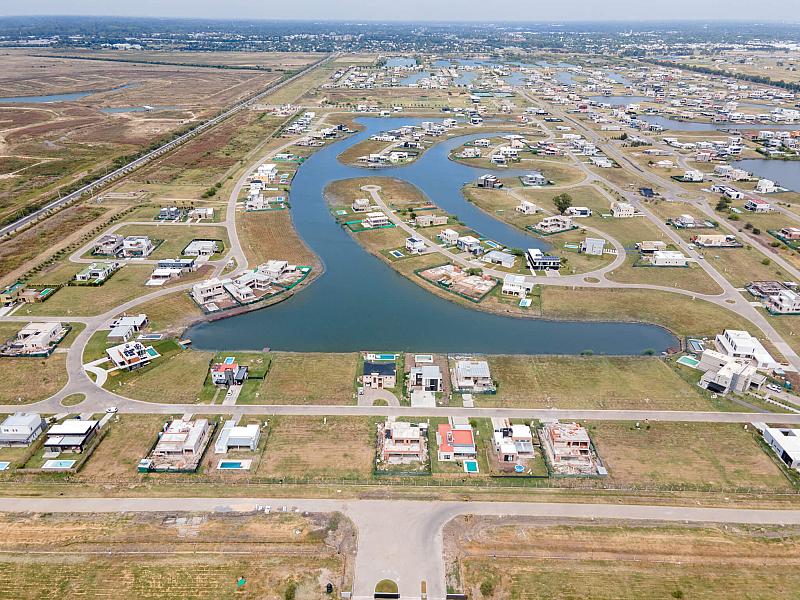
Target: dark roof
<point>379,368</point>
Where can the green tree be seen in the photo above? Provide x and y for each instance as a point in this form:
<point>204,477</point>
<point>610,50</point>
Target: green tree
<point>562,202</point>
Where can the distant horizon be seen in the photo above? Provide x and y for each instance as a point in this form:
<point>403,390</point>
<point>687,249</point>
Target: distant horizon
<point>421,11</point>
<point>476,21</point>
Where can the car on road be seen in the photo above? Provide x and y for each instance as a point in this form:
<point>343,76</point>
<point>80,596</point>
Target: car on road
<point>112,409</point>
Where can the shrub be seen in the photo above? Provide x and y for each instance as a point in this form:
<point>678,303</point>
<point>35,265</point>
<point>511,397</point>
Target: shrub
<point>487,588</point>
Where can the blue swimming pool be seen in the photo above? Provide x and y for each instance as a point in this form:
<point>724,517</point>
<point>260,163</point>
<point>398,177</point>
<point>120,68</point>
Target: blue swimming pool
<point>470,466</point>
<point>229,360</point>
<point>230,464</point>
<point>58,465</point>
<point>4,464</point>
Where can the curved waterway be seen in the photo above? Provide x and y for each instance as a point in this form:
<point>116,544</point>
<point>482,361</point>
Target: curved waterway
<point>360,303</point>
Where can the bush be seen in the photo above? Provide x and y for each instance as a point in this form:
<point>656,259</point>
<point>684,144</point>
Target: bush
<point>487,588</point>
<point>291,591</point>
<point>756,231</point>
<point>766,262</point>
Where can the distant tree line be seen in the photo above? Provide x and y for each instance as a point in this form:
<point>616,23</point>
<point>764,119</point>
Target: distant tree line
<point>723,73</point>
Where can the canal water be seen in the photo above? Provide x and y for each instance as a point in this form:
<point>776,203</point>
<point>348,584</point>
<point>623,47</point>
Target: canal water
<point>361,303</point>
<point>785,173</point>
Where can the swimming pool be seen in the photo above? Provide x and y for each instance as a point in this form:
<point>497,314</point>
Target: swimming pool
<point>4,464</point>
<point>470,466</point>
<point>58,465</point>
<point>696,346</point>
<point>688,361</point>
<point>234,465</point>
<point>229,360</point>
<point>423,358</point>
<point>381,356</point>
<point>397,254</point>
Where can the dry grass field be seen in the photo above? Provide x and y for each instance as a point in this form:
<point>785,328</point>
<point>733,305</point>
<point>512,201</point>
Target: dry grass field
<point>590,382</point>
<point>396,193</point>
<point>268,235</point>
<point>144,556</point>
<point>128,440</point>
<point>26,380</point>
<point>524,559</point>
<point>720,455</point>
<point>310,378</point>
<point>318,447</point>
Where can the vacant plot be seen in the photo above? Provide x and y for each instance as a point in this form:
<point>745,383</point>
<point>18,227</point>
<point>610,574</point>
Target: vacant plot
<point>602,562</point>
<point>718,455</point>
<point>125,285</point>
<point>680,314</point>
<point>128,440</point>
<point>171,313</point>
<point>142,555</point>
<point>394,192</point>
<point>174,378</point>
<point>590,382</point>
<point>26,380</point>
<point>271,235</point>
<point>692,278</point>
<point>310,378</point>
<point>319,447</point>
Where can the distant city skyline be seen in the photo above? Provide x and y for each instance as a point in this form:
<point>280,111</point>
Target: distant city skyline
<point>422,10</point>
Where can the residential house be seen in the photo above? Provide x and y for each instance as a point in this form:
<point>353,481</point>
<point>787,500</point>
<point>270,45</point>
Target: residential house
<point>97,271</point>
<point>488,181</point>
<point>37,338</point>
<point>716,241</point>
<point>790,233</point>
<point>593,246</point>
<point>723,373</point>
<point>498,257</point>
<point>403,442</point>
<point>71,435</point>
<point>131,355</point>
<point>527,208</point>
<point>21,429</point>
<point>468,243</point>
<point>182,438</point>
<point>534,178</point>
<point>228,373</point>
<point>123,328</point>
<point>785,302</point>
<point>568,447</point>
<point>379,375</point>
<point>757,205</point>
<point>211,290</point>
<point>448,236</point>
<point>694,176</point>
<point>622,210</point>
<point>668,258</point>
<point>267,172</point>
<point>428,220</point>
<point>456,440</point>
<point>170,213</point>
<point>415,245</point>
<point>785,442</point>
<point>512,443</point>
<point>10,295</point>
<point>109,244</point>
<point>201,248</point>
<point>539,261</point>
<point>517,285</point>
<point>375,219</point>
<point>137,246</point>
<point>426,378</point>
<point>766,186</point>
<point>237,437</point>
<point>578,211</point>
<point>740,344</point>
<point>202,213</point>
<point>555,224</point>
<point>472,376</point>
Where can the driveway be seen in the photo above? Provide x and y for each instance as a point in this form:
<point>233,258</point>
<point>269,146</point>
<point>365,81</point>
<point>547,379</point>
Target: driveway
<point>370,396</point>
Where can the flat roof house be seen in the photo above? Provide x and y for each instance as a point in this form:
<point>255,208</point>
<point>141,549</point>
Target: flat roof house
<point>740,344</point>
<point>786,444</point>
<point>378,375</point>
<point>622,210</point>
<point>427,378</point>
<point>97,271</point>
<point>10,294</point>
<point>534,178</point>
<point>593,246</point>
<point>137,246</point>
<point>131,355</point>
<point>201,248</point>
<point>71,435</point>
<point>375,219</point>
<point>448,236</point>
<point>785,302</point>
<point>723,373</point>
<point>527,208</point>
<point>473,376</point>
<point>415,245</point>
<point>497,257</point>
<point>210,290</point>
<point>237,437</point>
<point>468,243</point>
<point>539,261</point>
<point>36,338</point>
<point>360,205</point>
<point>757,205</point>
<point>182,438</point>
<point>455,440</point>
<point>668,258</point>
<point>428,220</point>
<point>20,429</point>
<point>554,224</point>
<point>516,285</point>
<point>511,442</point>
<point>568,447</point>
<point>170,213</point>
<point>109,244</point>
<point>404,442</point>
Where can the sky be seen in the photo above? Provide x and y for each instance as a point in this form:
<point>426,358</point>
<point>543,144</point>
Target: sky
<point>422,10</point>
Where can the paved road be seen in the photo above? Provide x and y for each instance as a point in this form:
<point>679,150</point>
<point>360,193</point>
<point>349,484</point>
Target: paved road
<point>400,539</point>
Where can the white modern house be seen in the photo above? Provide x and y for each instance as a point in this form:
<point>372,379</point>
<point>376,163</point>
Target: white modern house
<point>668,258</point>
<point>517,285</point>
<point>593,246</point>
<point>785,302</point>
<point>786,444</point>
<point>740,344</point>
<point>622,210</point>
<point>20,429</point>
